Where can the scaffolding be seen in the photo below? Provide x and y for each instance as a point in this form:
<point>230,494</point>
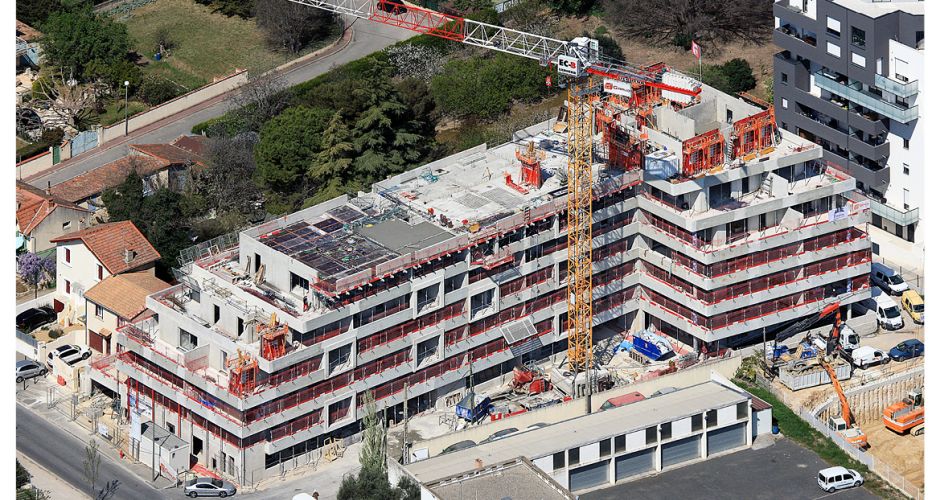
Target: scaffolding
<point>273,340</point>
<point>244,374</point>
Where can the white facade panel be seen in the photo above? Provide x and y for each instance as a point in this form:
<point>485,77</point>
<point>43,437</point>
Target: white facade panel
<point>727,415</point>
<point>682,428</point>
<point>590,453</point>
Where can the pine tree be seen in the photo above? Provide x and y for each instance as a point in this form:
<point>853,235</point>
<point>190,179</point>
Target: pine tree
<point>372,455</point>
<point>334,161</point>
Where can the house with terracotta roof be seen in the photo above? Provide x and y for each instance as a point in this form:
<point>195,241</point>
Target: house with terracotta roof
<point>116,301</point>
<point>41,216</point>
<point>158,165</point>
<point>87,257</point>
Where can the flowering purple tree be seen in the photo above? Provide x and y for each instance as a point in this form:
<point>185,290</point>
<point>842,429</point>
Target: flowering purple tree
<point>34,269</point>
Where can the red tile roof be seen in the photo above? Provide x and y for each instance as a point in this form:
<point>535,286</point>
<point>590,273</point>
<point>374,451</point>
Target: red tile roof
<point>126,294</point>
<point>33,205</point>
<point>109,175</point>
<point>182,151</point>
<point>109,241</point>
<point>758,404</point>
<point>27,32</point>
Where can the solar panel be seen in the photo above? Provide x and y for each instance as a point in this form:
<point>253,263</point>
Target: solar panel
<point>329,225</point>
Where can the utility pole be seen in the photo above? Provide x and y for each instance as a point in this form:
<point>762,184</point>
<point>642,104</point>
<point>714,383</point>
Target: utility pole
<point>404,429</point>
<point>126,85</point>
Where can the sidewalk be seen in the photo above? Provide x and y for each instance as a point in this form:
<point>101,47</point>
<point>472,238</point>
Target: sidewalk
<point>44,480</point>
<point>34,399</point>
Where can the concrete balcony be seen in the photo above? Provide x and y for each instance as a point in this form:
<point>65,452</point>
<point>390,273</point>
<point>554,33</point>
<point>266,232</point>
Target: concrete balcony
<point>797,41</point>
<point>870,149</point>
<point>293,439</point>
<point>871,101</point>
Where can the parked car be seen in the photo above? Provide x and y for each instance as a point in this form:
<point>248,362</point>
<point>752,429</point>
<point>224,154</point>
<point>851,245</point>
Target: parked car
<point>460,445</point>
<point>866,356</point>
<point>888,279</point>
<point>838,478</point>
<point>209,487</point>
<point>70,353</point>
<point>35,317</point>
<point>664,390</point>
<point>496,436</point>
<point>27,369</point>
<point>913,303</point>
<point>910,348</point>
<point>887,311</point>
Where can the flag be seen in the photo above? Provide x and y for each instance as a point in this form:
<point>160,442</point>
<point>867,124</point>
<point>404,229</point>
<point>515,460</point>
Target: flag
<point>696,50</point>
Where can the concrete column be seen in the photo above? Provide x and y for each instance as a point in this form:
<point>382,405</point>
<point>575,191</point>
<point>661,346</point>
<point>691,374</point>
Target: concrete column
<point>700,201</point>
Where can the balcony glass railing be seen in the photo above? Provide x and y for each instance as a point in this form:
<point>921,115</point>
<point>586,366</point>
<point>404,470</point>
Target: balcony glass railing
<point>891,110</point>
<point>894,215</point>
<point>897,88</point>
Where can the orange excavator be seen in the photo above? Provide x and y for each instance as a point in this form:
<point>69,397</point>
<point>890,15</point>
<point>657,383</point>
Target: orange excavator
<point>845,425</point>
<point>907,414</point>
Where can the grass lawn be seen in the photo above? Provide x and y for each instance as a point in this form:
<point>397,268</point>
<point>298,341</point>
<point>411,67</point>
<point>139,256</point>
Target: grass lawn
<point>114,111</point>
<point>20,143</point>
<point>795,428</point>
<point>205,44</point>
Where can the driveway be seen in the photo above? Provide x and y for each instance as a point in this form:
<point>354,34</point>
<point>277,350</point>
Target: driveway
<point>367,37</point>
<point>782,471</point>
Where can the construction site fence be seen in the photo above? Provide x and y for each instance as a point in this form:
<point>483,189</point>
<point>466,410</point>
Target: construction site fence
<point>208,248</point>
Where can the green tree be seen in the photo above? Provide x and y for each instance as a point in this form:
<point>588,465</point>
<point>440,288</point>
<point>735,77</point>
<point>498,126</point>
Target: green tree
<point>333,164</point>
<point>34,12</point>
<point>86,46</point>
<point>287,145</point>
<point>23,476</point>
<point>125,200</point>
<point>486,87</point>
<point>91,463</point>
<point>372,454</point>
<point>740,76</point>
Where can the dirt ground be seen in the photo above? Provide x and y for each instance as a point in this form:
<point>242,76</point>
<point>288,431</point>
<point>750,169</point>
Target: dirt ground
<point>904,454</point>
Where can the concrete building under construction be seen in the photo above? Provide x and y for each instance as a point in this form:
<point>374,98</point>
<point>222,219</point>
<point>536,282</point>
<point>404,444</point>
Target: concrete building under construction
<point>711,227</point>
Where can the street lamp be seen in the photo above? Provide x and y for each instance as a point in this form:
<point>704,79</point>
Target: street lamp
<point>126,85</point>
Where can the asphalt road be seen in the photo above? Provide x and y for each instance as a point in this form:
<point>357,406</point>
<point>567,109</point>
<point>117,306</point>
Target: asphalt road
<point>63,454</point>
<point>368,37</point>
<point>782,471</point>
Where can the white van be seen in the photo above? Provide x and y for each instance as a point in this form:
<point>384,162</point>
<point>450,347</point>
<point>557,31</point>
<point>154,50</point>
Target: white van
<point>837,478</point>
<point>866,356</point>
<point>888,279</point>
<point>887,311</point>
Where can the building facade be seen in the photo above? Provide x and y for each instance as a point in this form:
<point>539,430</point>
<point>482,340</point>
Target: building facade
<point>849,77</point>
<point>274,336</point>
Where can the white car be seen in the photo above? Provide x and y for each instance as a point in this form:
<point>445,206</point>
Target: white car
<point>838,478</point>
<point>70,353</point>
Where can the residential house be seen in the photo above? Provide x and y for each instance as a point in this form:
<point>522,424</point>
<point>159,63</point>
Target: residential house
<point>87,257</point>
<point>41,216</point>
<point>158,165</point>
<point>116,301</point>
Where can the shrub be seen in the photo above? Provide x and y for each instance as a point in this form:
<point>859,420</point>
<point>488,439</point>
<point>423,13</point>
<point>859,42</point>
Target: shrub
<point>731,77</point>
<point>55,332</point>
<point>155,90</point>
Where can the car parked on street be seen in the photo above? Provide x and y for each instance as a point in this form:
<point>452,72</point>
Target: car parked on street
<point>838,478</point>
<point>35,317</point>
<point>70,353</point>
<point>27,369</point>
<point>910,348</point>
<point>209,487</point>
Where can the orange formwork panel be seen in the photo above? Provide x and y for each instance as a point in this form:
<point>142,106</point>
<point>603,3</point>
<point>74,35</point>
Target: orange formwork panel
<point>754,133</point>
<point>702,153</point>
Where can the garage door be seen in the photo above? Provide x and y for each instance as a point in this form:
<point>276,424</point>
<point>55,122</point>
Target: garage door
<point>633,464</point>
<point>726,438</point>
<point>680,451</point>
<point>588,476</point>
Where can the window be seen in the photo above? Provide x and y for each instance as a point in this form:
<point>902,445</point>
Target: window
<point>68,287</point>
<point>426,349</point>
<point>188,341</point>
<point>620,443</point>
<point>784,78</point>
<point>907,169</point>
<point>66,225</point>
<point>574,456</point>
<point>666,430</point>
<point>339,357</point>
<point>784,103</point>
<point>858,59</point>
<point>605,448</point>
<point>742,410</point>
<point>907,144</point>
<point>100,272</point>
<point>833,27</point>
<point>224,359</point>
<point>298,285</point>
<point>426,296</point>
<point>651,436</point>
<point>99,311</point>
<point>558,460</point>
<point>481,301</point>
<point>240,327</point>
<point>170,427</point>
<point>68,255</point>
<point>711,418</point>
<point>907,193</point>
<point>858,37</point>
<point>216,313</point>
<point>453,283</point>
<point>833,49</point>
<point>696,422</point>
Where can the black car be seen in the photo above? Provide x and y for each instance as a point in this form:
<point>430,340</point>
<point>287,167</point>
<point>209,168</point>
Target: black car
<point>32,319</point>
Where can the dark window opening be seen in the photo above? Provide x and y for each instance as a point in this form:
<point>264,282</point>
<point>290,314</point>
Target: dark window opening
<point>574,456</point>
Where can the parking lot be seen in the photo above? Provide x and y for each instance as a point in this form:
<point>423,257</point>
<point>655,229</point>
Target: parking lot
<point>784,470</point>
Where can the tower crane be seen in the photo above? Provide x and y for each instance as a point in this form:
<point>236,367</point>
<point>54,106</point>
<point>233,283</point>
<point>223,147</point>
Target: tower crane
<point>579,60</point>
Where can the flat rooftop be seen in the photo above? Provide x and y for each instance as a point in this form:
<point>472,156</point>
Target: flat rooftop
<point>518,480</point>
<point>579,431</point>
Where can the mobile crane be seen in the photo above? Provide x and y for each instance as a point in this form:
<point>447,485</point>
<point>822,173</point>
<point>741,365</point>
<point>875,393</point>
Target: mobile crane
<point>579,59</point>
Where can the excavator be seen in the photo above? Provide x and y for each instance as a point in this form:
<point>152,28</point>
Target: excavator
<point>907,414</point>
<point>844,425</point>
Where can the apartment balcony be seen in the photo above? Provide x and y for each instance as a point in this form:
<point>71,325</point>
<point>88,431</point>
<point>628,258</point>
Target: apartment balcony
<point>900,89</point>
<point>788,37</point>
<point>871,101</point>
<point>897,216</point>
<point>871,148</point>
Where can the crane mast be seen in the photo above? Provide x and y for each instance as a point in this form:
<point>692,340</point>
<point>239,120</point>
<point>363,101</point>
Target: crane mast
<point>576,59</point>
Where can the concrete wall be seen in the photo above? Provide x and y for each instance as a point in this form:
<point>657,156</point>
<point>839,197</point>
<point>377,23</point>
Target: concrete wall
<point>868,402</point>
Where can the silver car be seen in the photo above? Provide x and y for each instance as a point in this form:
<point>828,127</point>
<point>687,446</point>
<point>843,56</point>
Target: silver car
<point>209,487</point>
<point>27,369</point>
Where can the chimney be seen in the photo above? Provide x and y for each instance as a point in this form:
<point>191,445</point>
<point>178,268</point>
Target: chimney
<point>479,463</point>
<point>129,255</point>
